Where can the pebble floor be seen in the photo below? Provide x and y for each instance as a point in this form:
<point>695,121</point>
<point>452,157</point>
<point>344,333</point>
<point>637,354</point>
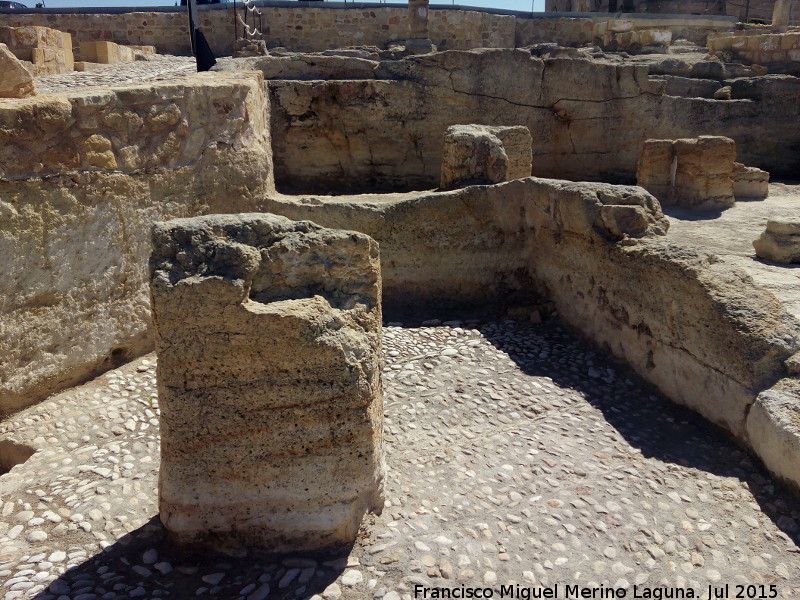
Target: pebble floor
<point>157,68</point>
<point>516,455</point>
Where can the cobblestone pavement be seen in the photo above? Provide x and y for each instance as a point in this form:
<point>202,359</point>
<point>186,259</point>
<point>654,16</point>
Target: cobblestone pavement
<point>517,455</point>
<point>159,68</point>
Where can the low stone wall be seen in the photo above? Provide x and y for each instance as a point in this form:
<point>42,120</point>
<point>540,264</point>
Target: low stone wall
<point>298,28</point>
<point>78,222</point>
<point>754,47</point>
<point>305,28</point>
<point>580,30</point>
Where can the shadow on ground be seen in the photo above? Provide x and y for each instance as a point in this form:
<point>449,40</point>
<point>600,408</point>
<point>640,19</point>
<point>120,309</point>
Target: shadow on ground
<point>124,570</point>
<point>655,425</point>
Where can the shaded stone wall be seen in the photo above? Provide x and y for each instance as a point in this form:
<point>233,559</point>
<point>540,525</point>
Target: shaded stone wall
<point>760,10</point>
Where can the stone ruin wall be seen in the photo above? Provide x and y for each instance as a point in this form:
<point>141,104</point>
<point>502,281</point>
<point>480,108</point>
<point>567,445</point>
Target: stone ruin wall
<point>314,29</point>
<point>581,29</point>
<point>298,28</point>
<point>117,161</point>
<point>759,10</point>
<point>756,47</point>
<point>85,174</point>
<point>384,127</point>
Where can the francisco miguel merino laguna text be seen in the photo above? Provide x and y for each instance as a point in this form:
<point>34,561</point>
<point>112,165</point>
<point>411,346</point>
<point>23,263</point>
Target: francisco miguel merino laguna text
<point>557,591</point>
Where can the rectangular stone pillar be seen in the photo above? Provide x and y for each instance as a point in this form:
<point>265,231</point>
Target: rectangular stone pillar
<point>418,17</point>
<point>692,172</point>
<point>781,15</point>
<point>269,379</point>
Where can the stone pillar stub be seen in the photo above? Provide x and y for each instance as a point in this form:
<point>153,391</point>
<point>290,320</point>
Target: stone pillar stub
<point>418,19</point>
<point>781,15</point>
<point>694,173</point>
<point>269,377</point>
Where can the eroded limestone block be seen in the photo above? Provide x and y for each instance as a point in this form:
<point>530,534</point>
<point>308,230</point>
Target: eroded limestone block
<point>773,429</point>
<point>15,80</point>
<point>781,240</point>
<point>703,174</point>
<point>655,170</point>
<point>750,182</point>
<point>269,377</point>
<point>481,154</point>
<point>691,172</point>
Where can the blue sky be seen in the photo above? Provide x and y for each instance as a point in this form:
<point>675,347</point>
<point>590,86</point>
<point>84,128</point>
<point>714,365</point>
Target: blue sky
<point>507,4</point>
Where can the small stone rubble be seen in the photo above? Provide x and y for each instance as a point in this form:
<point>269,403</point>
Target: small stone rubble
<point>780,242</point>
<point>516,454</point>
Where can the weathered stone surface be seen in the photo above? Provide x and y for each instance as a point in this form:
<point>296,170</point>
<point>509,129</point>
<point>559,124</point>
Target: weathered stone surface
<point>655,170</point>
<point>703,176</point>
<point>15,80</point>
<point>472,155</point>
<point>693,173</point>
<point>619,35</point>
<point>77,300</point>
<point>386,131</point>
<point>773,429</point>
<point>750,182</point>
<point>480,154</point>
<point>269,377</point>
<point>781,15</point>
<point>781,241</point>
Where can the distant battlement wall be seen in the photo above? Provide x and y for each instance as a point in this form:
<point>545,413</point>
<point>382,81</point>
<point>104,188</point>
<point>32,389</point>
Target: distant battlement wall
<point>750,10</point>
<point>319,27</point>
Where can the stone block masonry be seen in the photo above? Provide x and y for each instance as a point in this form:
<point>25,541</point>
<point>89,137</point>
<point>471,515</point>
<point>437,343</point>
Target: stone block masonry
<point>755,47</point>
<point>307,29</point>
<point>269,380</point>
<point>45,51</point>
<point>693,172</point>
